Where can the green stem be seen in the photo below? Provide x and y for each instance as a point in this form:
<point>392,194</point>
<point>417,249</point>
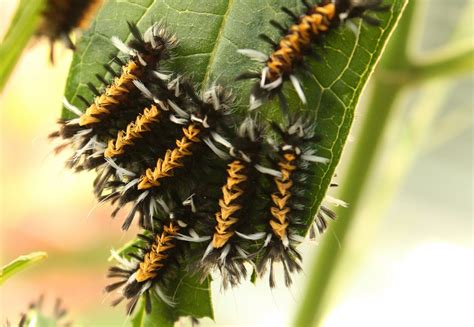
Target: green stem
<point>448,65</point>
<point>19,264</point>
<point>23,26</point>
<point>389,83</point>
<point>385,93</point>
<point>380,109</point>
<point>452,125</point>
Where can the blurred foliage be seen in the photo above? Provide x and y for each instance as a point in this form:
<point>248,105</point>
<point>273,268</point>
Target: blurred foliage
<point>36,317</point>
<point>19,264</point>
<point>22,27</point>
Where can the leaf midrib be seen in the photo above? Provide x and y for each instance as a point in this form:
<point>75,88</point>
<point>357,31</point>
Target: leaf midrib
<point>220,33</point>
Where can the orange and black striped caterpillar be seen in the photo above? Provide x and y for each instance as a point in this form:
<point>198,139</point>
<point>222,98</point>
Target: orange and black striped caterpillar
<point>147,136</point>
<point>61,17</point>
<point>113,108</point>
<point>294,157</point>
<point>179,160</point>
<point>297,43</point>
<point>149,268</point>
<point>201,119</point>
<point>232,225</point>
<point>146,52</point>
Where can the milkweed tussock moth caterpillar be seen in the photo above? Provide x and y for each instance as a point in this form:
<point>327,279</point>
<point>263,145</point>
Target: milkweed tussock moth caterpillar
<point>232,227</point>
<point>150,270</point>
<point>145,52</point>
<point>295,159</point>
<point>206,115</point>
<point>138,274</point>
<point>134,131</point>
<point>297,42</point>
<point>135,147</point>
<point>149,134</point>
<point>61,17</point>
<point>112,109</point>
<point>172,159</point>
<point>199,116</point>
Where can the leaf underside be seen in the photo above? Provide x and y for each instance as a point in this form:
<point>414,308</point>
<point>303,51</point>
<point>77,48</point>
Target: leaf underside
<point>210,32</point>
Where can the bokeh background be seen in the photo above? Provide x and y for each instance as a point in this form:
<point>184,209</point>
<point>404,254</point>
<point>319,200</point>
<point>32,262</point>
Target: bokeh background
<point>415,269</point>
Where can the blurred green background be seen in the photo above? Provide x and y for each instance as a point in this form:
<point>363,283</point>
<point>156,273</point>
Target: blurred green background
<point>412,267</point>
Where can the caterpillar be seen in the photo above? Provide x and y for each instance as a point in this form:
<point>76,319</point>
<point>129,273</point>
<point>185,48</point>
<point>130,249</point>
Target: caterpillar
<point>149,271</point>
<point>295,159</point>
<point>232,224</point>
<point>112,109</point>
<point>134,131</point>
<point>199,118</point>
<point>207,114</point>
<point>297,42</point>
<point>61,17</point>
<point>134,148</point>
<point>145,52</point>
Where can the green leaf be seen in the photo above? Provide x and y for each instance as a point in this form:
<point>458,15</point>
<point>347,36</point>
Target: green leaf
<point>193,299</point>
<point>20,263</point>
<point>22,27</point>
<point>211,32</point>
<point>126,248</point>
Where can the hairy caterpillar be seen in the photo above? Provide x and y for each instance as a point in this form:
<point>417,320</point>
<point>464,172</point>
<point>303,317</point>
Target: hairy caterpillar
<point>295,159</point>
<point>200,117</point>
<point>145,52</point>
<point>112,109</point>
<point>297,43</point>
<point>148,270</point>
<point>232,224</point>
<point>61,17</point>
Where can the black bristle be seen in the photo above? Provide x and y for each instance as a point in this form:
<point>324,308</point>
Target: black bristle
<point>247,75</point>
<point>93,89</point>
<point>110,70</point>
<point>306,4</point>
<point>135,31</point>
<point>84,100</point>
<point>290,13</point>
<point>101,79</point>
<point>267,39</point>
<point>279,26</point>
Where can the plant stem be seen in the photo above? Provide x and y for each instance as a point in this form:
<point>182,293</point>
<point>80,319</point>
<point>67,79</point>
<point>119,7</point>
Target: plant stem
<point>380,109</point>
<point>451,64</point>
<point>23,26</point>
<point>396,71</point>
<point>20,263</point>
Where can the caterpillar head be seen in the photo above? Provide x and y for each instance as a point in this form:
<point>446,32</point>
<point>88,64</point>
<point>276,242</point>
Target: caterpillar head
<point>211,107</point>
<point>348,9</point>
<point>153,45</point>
<point>249,141</point>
